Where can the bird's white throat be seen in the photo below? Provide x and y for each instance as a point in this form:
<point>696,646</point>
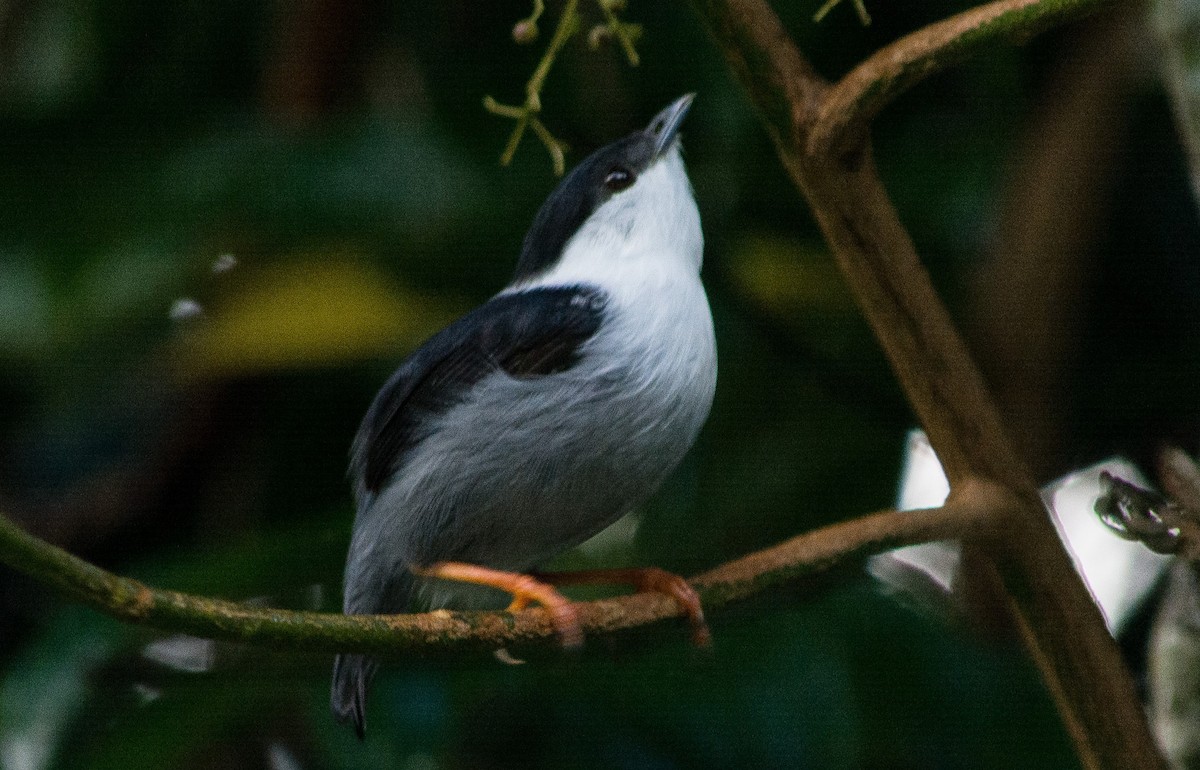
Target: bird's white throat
<point>644,238</point>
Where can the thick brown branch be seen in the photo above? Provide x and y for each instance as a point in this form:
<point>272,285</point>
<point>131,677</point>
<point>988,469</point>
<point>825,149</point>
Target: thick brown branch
<point>794,559</point>
<point>892,287</point>
<point>1027,307</point>
<point>1028,567</point>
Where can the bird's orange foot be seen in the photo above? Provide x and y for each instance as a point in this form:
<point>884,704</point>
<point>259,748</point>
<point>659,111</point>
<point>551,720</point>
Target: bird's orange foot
<point>645,579</point>
<point>523,588</point>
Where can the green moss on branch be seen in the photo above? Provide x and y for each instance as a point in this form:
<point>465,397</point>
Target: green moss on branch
<point>441,631</point>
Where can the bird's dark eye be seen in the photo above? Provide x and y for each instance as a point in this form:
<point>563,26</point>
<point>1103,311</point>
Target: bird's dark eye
<point>619,178</point>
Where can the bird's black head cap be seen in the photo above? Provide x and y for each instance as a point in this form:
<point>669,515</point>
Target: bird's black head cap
<point>598,177</point>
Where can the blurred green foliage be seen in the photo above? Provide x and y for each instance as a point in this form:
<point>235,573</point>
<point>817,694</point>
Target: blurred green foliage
<point>340,154</point>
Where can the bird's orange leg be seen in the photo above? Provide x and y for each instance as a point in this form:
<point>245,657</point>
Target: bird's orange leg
<point>524,589</point>
<point>644,579</point>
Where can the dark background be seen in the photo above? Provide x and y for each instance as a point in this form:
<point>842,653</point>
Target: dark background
<point>339,152</point>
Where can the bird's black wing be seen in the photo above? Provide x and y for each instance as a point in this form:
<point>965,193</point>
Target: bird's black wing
<point>527,334</point>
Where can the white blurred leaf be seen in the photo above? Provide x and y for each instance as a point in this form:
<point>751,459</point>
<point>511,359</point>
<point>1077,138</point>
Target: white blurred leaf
<point>1119,573</point>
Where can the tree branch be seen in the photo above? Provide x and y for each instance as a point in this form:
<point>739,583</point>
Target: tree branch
<point>854,101</point>
<point>1027,307</point>
<point>1026,566</point>
<point>395,635</point>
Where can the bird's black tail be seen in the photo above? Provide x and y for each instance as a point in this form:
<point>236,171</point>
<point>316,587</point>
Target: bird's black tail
<point>351,678</point>
<point>366,594</point>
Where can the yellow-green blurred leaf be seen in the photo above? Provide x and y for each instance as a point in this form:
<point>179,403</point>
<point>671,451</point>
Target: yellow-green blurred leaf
<point>307,312</point>
<point>790,278</point>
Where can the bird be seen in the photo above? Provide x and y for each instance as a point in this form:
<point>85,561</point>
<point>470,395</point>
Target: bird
<point>545,414</point>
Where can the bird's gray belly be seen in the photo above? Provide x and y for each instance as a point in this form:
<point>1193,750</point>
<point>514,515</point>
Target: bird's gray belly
<point>527,468</point>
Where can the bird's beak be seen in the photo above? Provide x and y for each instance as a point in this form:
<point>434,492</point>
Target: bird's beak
<point>665,125</point>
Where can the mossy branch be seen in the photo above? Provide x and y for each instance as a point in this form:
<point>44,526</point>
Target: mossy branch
<point>441,631</point>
